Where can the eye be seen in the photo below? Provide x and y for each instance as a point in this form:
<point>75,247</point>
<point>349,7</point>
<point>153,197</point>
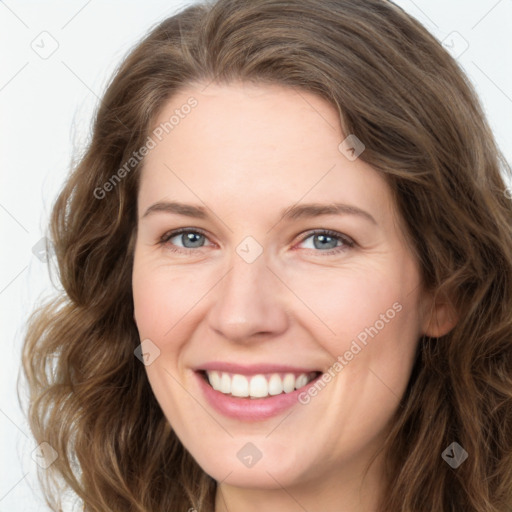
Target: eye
<point>327,241</point>
<point>184,240</point>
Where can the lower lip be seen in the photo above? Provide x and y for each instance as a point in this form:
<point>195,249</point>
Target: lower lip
<point>251,409</point>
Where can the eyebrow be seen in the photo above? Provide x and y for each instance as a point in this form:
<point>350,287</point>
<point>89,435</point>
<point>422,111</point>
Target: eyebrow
<point>292,213</point>
<point>188,210</point>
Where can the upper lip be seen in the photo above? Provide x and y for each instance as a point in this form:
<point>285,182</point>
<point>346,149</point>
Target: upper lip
<point>253,369</point>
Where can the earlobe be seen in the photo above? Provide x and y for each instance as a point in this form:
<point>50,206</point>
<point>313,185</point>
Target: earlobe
<point>439,319</point>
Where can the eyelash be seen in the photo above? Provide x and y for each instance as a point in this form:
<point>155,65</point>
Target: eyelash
<point>348,242</point>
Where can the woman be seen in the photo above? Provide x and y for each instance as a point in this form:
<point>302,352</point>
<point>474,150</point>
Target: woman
<point>287,271</point>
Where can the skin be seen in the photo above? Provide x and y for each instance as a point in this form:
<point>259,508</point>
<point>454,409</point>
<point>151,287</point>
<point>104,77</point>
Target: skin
<point>245,153</point>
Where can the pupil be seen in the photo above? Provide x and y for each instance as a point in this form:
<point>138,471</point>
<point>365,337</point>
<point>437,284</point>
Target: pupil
<point>191,240</point>
<point>325,238</point>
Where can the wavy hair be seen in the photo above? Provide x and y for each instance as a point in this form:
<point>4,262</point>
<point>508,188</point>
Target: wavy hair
<point>398,90</point>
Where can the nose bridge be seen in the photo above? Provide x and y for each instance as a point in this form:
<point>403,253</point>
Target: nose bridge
<point>248,301</point>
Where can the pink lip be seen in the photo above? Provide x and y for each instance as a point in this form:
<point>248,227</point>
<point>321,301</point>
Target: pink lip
<point>251,409</point>
<point>254,369</point>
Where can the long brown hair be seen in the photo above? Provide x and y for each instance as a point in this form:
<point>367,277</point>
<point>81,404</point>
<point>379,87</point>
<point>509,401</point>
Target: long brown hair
<point>405,97</point>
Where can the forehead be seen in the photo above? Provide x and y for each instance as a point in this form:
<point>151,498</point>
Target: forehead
<point>258,120</point>
<point>255,143</point>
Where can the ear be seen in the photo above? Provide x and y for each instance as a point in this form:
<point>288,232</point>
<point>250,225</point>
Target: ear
<point>439,317</point>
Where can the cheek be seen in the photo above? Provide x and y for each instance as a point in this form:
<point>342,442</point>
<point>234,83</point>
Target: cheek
<point>150,299</point>
<point>346,300</point>
<point>165,300</point>
<point>367,317</point>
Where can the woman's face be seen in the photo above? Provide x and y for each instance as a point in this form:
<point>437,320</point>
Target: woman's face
<point>291,264</point>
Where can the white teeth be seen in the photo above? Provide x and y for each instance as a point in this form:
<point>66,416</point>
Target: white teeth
<point>225,383</point>
<point>302,380</point>
<point>275,385</point>
<point>215,380</point>
<point>289,383</point>
<point>257,386</point>
<point>239,386</point>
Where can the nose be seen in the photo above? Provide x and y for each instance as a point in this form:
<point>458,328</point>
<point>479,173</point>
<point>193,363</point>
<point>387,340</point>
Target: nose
<point>249,303</point>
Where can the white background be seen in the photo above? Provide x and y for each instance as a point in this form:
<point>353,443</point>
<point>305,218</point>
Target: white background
<point>46,107</point>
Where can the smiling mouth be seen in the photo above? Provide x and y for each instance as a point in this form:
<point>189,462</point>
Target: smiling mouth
<point>262,385</point>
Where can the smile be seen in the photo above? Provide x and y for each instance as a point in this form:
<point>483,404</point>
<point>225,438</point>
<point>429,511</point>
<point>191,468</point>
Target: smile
<point>259,385</point>
<point>255,392</point>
